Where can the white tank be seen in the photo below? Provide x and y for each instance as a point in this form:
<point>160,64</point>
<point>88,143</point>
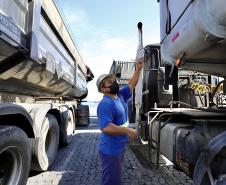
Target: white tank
<point>195,30</point>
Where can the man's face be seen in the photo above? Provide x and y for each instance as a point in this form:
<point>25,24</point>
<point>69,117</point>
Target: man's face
<point>108,81</point>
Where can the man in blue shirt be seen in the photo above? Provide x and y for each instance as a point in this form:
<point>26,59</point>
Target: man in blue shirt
<point>112,114</point>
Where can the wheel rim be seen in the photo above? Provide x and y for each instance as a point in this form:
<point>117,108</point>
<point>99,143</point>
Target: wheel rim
<point>221,180</point>
<point>210,175</point>
<point>210,167</point>
<point>10,171</point>
<point>215,179</point>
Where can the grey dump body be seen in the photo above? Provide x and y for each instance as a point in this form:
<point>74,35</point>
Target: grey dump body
<point>42,79</point>
<point>37,54</point>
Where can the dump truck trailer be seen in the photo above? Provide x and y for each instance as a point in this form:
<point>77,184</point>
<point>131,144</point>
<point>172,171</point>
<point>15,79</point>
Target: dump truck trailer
<point>190,133</point>
<point>42,79</point>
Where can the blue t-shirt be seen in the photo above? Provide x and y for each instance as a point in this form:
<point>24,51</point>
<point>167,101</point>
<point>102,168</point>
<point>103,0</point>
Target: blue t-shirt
<point>114,111</point>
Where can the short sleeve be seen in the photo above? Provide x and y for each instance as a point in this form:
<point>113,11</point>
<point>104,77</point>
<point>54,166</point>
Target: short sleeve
<point>125,92</point>
<point>104,114</point>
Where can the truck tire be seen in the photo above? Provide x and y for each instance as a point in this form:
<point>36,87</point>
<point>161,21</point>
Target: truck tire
<point>83,115</point>
<point>15,156</point>
<point>210,167</point>
<point>47,147</point>
<point>69,127</point>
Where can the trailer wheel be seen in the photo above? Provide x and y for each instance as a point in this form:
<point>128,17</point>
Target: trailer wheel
<point>70,127</point>
<point>211,165</point>
<point>15,156</point>
<point>83,115</point>
<point>47,147</point>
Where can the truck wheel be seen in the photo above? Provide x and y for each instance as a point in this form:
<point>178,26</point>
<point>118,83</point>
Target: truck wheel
<point>15,156</point>
<point>47,147</point>
<point>83,115</point>
<point>210,167</point>
<point>68,127</point>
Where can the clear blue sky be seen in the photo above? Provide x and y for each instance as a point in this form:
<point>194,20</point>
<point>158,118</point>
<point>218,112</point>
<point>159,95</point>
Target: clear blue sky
<point>106,30</point>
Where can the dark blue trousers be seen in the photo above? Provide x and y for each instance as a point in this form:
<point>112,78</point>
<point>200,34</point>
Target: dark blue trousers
<point>111,169</point>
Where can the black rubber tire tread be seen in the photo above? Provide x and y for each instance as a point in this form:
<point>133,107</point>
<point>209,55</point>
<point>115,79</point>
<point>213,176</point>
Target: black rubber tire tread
<point>44,157</point>
<point>11,136</point>
<point>83,120</point>
<point>67,137</point>
<point>71,113</point>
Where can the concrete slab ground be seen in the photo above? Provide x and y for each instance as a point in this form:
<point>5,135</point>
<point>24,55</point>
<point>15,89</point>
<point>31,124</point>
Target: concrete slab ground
<point>78,164</point>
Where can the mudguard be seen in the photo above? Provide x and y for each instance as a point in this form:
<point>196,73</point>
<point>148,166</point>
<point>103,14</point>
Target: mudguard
<point>7,109</point>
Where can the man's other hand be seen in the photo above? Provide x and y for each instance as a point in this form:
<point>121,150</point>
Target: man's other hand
<point>132,133</point>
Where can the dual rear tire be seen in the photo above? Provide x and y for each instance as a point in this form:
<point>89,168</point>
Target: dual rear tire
<point>68,127</point>
<point>15,156</point>
<point>15,150</point>
<point>46,149</point>
<point>82,116</point>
